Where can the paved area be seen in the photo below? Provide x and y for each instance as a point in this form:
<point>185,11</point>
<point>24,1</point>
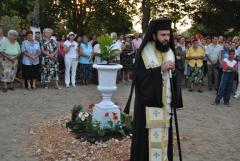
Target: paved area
<point>209,133</point>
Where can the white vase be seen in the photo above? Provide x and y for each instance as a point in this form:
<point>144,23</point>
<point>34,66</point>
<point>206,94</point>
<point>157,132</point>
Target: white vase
<point>107,77</point>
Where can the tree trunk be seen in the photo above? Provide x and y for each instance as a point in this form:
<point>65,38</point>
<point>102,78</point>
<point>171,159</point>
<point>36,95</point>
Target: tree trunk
<point>146,10</point>
<point>36,11</point>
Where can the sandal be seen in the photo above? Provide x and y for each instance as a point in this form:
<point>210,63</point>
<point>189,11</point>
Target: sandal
<point>46,85</point>
<point>57,87</point>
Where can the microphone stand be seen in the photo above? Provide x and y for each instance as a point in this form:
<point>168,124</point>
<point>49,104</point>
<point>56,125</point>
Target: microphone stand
<point>174,110</point>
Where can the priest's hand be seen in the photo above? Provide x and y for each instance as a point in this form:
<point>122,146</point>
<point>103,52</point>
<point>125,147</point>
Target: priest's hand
<point>168,65</point>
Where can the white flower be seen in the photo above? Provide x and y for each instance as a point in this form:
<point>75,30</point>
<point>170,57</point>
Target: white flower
<point>80,114</point>
<point>86,114</point>
<point>82,118</point>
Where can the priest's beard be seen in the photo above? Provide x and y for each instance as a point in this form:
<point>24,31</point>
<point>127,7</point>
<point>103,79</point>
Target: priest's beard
<point>162,47</point>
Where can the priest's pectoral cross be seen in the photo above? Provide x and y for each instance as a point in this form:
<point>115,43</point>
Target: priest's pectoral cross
<point>156,155</point>
<point>156,135</point>
<point>156,113</point>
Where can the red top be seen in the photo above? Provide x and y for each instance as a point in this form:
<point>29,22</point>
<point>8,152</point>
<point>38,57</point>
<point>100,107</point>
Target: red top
<point>229,63</point>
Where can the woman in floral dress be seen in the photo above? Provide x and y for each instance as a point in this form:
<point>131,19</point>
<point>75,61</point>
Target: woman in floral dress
<point>50,64</point>
<point>127,59</point>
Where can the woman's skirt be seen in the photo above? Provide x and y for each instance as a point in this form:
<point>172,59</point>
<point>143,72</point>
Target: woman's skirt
<point>61,65</point>
<point>195,74</point>
<point>85,71</point>
<point>30,72</point>
<point>8,69</point>
<point>49,70</point>
<point>127,62</point>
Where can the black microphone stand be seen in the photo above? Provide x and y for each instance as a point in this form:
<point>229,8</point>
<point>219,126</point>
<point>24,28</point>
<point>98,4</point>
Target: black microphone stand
<point>174,110</point>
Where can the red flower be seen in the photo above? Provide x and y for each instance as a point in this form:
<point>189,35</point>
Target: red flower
<point>91,106</point>
<point>106,114</point>
<point>115,116</point>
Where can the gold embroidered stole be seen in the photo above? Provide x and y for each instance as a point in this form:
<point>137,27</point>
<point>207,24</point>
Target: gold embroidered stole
<point>157,119</point>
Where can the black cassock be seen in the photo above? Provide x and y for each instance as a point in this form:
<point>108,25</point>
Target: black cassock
<point>148,92</point>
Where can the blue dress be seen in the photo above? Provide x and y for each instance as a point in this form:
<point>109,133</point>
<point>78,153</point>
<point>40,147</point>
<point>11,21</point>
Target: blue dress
<point>85,64</point>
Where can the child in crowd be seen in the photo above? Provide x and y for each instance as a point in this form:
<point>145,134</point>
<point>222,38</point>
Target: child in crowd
<point>229,66</point>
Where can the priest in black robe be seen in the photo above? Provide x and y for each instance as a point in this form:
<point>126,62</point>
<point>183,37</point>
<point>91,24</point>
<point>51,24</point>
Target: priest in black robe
<point>154,65</point>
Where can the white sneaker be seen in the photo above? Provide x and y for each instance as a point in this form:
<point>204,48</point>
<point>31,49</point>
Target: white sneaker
<point>67,86</point>
<point>236,96</point>
<point>74,85</point>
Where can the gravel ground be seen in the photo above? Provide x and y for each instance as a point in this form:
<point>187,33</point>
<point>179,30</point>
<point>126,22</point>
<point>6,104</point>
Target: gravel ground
<point>208,132</point>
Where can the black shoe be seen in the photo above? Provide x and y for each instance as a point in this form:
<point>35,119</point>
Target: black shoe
<point>4,90</point>
<point>210,89</point>
<point>190,90</point>
<point>227,104</point>
<point>200,91</point>
<point>11,88</point>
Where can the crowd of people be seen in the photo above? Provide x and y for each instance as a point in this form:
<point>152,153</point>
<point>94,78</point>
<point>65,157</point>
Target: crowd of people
<point>70,57</point>
<point>217,58</point>
<point>47,58</point>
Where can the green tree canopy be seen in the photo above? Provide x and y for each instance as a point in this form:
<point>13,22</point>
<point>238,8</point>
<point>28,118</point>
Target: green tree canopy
<point>20,8</point>
<point>10,23</point>
<point>86,16</point>
<point>176,10</point>
<point>217,17</point>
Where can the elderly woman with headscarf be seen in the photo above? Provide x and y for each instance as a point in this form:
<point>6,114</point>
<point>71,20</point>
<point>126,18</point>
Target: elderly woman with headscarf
<point>9,51</point>
<point>49,59</point>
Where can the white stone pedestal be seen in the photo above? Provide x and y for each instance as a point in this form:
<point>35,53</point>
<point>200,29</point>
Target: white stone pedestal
<point>107,75</point>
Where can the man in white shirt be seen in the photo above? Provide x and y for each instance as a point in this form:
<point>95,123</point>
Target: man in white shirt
<point>70,59</point>
<point>237,95</point>
<point>221,41</point>
<point>136,42</point>
<point>1,36</point>
<point>53,37</point>
<point>212,52</point>
<point>182,44</point>
<point>117,45</point>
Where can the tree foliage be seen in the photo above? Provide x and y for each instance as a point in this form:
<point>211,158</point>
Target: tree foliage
<point>101,16</point>
<point>176,10</point>
<point>10,23</point>
<point>217,17</point>
<point>87,16</point>
<point>20,8</point>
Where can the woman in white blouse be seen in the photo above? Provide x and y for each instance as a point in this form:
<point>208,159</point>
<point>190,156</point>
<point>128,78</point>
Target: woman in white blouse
<point>70,59</point>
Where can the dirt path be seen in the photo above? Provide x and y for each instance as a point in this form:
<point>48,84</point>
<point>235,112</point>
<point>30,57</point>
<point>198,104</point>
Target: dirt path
<point>209,133</point>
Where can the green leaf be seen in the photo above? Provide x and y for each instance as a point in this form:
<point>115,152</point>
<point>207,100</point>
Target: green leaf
<point>121,131</point>
<point>106,46</point>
